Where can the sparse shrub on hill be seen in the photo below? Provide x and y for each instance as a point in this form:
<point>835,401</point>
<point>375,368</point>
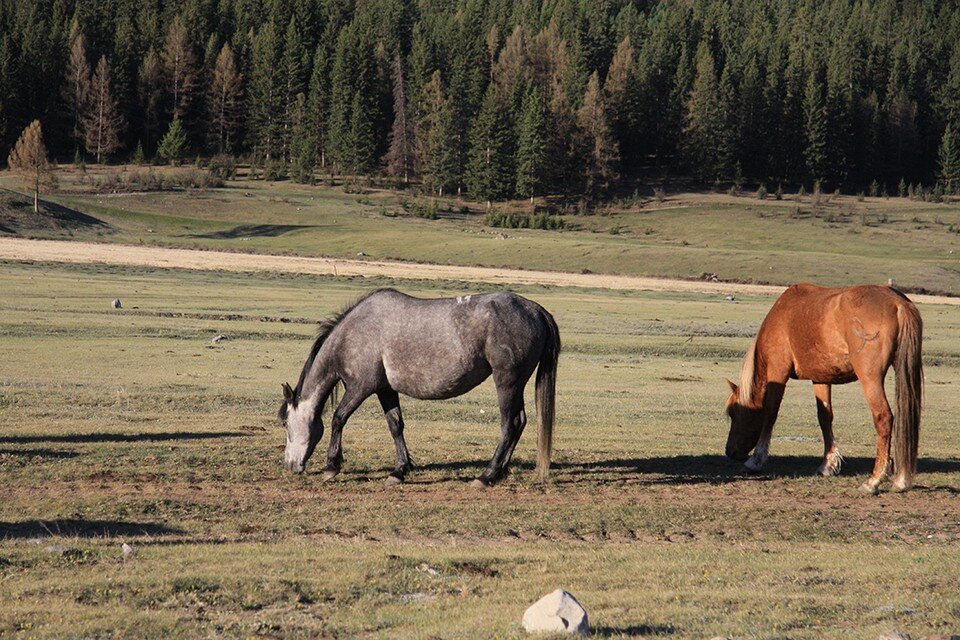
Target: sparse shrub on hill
<point>545,221</point>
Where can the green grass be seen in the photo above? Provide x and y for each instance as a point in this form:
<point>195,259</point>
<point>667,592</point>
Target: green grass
<point>842,241</point>
<point>130,426</point>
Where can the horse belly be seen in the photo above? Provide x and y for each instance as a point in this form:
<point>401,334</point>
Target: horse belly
<point>822,368</point>
<point>436,382</point>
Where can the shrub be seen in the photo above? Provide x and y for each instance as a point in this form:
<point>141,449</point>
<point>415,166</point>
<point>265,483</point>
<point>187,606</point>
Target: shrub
<point>223,166</point>
<point>543,221</point>
<point>274,169</point>
<point>762,192</point>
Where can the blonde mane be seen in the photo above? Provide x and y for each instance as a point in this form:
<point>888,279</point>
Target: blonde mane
<point>747,375</point>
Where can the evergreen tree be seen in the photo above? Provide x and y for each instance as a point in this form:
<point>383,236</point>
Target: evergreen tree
<point>435,137</point>
<point>707,144</point>
<point>318,104</point>
<point>173,143</point>
<point>303,153</point>
<point>294,69</point>
<point>400,156</point>
<point>532,159</point>
<point>102,122</point>
<point>620,95</point>
<point>224,100</point>
<point>949,159</point>
<point>29,158</point>
<point>266,108</point>
<point>815,128</point>
<point>361,157</point>
<point>490,174</point>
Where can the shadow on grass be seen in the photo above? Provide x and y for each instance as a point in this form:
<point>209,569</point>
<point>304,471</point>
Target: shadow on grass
<point>39,453</point>
<point>73,528</point>
<point>695,469</point>
<point>634,631</point>
<point>122,437</point>
<point>253,231</point>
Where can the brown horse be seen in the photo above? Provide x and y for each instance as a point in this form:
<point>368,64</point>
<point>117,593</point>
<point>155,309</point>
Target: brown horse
<point>834,336</point>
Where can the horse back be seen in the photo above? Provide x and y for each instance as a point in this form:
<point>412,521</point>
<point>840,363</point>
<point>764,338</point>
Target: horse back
<point>829,334</point>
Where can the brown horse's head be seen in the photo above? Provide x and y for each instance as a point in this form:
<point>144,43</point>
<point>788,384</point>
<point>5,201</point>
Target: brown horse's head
<point>745,425</point>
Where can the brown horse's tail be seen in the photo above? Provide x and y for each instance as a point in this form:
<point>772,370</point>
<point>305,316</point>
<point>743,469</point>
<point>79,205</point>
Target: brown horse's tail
<point>908,363</point>
<point>546,394</point>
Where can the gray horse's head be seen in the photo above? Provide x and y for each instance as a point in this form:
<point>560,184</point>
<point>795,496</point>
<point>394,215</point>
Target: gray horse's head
<point>304,426</point>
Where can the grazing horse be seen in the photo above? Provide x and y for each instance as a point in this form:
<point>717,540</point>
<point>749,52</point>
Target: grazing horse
<point>389,343</point>
<point>834,336</point>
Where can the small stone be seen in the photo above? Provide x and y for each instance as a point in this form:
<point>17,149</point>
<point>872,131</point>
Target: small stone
<point>56,548</point>
<point>427,569</point>
<point>116,303</point>
<point>557,612</point>
<point>893,635</point>
<point>128,551</point>
<point>218,339</point>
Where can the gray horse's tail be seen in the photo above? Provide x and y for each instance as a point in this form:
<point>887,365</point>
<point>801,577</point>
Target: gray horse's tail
<point>546,394</point>
<point>908,363</point>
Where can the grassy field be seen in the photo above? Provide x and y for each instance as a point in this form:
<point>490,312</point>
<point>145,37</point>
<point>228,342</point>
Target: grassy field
<point>842,240</point>
<point>131,426</point>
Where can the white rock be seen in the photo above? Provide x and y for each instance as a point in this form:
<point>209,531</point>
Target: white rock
<point>557,611</point>
<point>128,551</point>
<point>893,635</point>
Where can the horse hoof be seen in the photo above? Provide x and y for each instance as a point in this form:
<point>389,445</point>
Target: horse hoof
<point>869,489</point>
<point>392,479</point>
<point>330,475</point>
<point>900,485</point>
<point>479,483</point>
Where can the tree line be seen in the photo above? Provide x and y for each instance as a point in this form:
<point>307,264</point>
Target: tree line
<point>498,98</point>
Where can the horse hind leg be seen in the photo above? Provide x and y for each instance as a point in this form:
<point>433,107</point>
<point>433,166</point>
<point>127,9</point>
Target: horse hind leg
<point>390,402</point>
<point>883,422</point>
<point>832,460</point>
<point>513,418</point>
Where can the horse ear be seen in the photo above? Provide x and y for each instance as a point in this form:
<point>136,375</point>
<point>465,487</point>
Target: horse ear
<point>287,392</point>
<point>733,387</point>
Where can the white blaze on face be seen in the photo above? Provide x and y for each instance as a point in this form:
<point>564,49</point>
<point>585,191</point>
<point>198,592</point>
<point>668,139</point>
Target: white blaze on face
<point>299,419</point>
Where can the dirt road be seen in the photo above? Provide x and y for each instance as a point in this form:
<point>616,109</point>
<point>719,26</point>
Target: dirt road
<point>118,254</point>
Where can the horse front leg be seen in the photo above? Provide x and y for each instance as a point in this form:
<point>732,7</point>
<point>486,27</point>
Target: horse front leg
<point>883,422</point>
<point>513,418</point>
<point>773,396</point>
<point>348,404</point>
<point>390,402</point>
<point>831,454</point>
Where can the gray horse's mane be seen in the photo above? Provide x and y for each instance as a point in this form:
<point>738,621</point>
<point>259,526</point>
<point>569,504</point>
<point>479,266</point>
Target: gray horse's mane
<point>323,332</point>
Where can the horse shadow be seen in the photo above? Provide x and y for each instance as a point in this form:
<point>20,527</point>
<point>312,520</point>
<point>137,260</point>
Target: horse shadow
<point>79,528</point>
<point>718,469</point>
<point>91,438</point>
<point>693,469</point>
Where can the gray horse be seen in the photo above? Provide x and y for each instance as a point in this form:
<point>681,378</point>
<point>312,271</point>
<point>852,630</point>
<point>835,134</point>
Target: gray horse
<point>389,343</point>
